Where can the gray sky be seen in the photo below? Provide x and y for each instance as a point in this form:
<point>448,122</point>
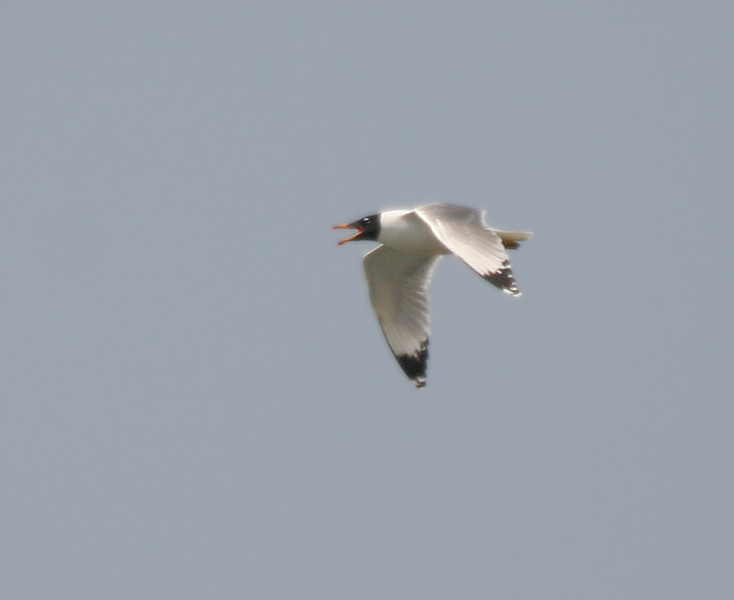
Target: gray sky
<point>196,400</point>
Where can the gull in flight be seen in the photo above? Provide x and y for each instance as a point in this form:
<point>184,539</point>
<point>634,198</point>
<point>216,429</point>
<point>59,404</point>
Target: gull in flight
<point>399,270</point>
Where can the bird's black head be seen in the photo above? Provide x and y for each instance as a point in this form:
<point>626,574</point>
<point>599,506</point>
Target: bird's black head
<point>368,228</point>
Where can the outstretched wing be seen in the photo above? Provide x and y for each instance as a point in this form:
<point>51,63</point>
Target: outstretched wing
<point>463,232</point>
<point>397,284</point>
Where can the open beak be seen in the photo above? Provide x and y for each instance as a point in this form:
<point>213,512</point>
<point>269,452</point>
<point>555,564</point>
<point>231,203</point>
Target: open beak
<point>359,229</point>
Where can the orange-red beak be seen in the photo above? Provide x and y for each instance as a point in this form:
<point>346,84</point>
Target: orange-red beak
<point>359,228</point>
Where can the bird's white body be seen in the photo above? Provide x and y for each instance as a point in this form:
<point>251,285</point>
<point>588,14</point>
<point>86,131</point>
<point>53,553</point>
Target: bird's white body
<point>402,229</point>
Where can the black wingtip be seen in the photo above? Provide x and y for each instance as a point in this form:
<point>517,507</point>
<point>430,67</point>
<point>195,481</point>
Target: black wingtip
<point>414,365</point>
<point>504,279</point>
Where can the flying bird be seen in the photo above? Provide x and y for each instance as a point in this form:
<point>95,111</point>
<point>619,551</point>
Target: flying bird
<point>399,270</point>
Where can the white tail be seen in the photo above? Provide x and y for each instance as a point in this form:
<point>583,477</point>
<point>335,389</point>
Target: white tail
<point>511,239</point>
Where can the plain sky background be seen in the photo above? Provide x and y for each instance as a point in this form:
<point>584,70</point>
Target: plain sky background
<point>196,401</point>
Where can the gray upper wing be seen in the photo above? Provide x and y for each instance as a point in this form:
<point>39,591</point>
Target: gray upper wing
<point>398,292</point>
<point>463,231</point>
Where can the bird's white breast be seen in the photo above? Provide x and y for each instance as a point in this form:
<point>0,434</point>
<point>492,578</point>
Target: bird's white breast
<point>403,229</point>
